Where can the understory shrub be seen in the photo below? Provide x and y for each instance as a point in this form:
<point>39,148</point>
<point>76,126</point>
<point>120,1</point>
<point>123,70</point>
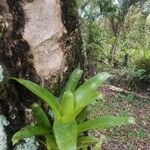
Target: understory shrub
<point>143,65</point>
<point>139,69</point>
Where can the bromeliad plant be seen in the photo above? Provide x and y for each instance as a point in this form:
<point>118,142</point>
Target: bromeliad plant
<point>66,133</point>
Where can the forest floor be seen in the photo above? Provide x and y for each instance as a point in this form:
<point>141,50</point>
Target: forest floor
<point>131,137</point>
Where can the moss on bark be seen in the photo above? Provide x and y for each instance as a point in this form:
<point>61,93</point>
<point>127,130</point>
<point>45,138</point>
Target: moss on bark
<point>73,40</point>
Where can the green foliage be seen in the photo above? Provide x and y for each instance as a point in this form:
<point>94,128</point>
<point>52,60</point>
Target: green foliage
<point>44,94</point>
<point>40,116</point>
<point>29,132</point>
<point>135,75</point>
<point>66,133</point>
<point>67,105</point>
<point>104,123</point>
<point>73,80</point>
<point>116,35</point>
<point>84,142</point>
<point>143,60</point>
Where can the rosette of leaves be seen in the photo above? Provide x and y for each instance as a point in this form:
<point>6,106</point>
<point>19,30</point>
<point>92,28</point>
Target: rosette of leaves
<point>66,133</point>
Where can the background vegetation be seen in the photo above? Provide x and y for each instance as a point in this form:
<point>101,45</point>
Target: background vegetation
<point>116,38</point>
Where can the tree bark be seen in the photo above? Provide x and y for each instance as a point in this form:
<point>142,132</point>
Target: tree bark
<point>40,41</point>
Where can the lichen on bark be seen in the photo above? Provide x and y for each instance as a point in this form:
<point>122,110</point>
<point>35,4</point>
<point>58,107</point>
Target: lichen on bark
<point>73,40</point>
<point>3,135</point>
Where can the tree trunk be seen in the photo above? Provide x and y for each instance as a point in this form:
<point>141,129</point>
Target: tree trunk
<point>40,41</point>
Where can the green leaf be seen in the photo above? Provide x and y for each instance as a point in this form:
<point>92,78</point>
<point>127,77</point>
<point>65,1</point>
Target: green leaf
<point>67,106</point>
<point>29,132</point>
<point>40,116</point>
<point>148,20</point>
<point>51,142</point>
<point>82,116</point>
<point>73,80</point>
<point>43,93</point>
<point>87,99</point>
<point>94,82</point>
<point>86,141</point>
<point>98,146</point>
<point>66,135</point>
<point>87,92</point>
<point>104,122</point>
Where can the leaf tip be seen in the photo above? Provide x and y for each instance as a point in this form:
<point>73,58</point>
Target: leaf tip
<point>35,105</point>
<point>14,139</point>
<point>131,120</point>
<point>100,96</point>
<point>105,74</point>
<point>12,78</point>
<point>78,71</point>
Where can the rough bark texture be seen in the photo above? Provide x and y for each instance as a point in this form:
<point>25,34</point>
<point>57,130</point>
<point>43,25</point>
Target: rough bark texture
<point>41,42</point>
